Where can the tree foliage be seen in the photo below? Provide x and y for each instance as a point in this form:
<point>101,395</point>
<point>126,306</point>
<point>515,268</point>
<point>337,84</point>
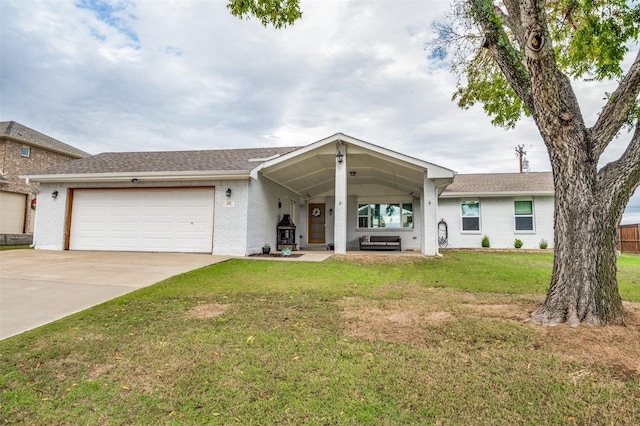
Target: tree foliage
<point>278,13</point>
<point>590,40</point>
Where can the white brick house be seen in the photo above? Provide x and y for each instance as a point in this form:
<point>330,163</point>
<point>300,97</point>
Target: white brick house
<point>501,206</point>
<point>229,202</point>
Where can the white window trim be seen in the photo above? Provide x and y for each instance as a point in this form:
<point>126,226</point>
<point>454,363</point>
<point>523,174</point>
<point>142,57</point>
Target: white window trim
<point>471,232</point>
<point>384,200</point>
<point>22,148</point>
<point>533,217</point>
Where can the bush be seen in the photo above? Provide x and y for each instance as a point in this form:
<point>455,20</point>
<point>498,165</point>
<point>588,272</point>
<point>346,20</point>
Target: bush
<point>485,242</point>
<point>543,244</point>
<point>517,243</point>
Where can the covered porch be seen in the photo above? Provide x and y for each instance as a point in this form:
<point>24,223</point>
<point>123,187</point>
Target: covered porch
<point>350,189</point>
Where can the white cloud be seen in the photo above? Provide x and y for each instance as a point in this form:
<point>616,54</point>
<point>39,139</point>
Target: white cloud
<point>156,75</point>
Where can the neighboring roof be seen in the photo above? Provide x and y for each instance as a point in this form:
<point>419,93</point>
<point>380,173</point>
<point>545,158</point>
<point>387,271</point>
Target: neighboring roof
<point>231,161</point>
<point>23,134</point>
<point>500,184</point>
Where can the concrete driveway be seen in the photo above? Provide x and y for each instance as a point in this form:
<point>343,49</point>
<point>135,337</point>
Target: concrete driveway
<point>40,286</point>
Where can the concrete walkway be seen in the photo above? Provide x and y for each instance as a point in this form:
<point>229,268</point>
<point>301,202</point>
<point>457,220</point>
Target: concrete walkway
<point>41,286</point>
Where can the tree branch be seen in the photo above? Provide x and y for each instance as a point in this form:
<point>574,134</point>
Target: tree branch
<point>513,20</point>
<point>502,51</point>
<point>621,177</point>
<point>616,112</point>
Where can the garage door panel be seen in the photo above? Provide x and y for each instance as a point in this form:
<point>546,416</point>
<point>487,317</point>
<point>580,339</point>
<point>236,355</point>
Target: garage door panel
<point>13,212</point>
<point>143,220</point>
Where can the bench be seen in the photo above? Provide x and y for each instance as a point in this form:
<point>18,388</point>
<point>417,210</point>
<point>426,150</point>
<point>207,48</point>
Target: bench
<point>380,242</point>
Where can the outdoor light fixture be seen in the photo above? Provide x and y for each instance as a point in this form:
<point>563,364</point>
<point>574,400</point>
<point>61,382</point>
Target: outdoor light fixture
<point>279,203</point>
<point>54,194</point>
<point>330,212</point>
<point>228,192</point>
<point>339,156</point>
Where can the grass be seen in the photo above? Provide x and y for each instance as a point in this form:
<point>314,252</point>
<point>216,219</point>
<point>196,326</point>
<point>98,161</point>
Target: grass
<point>14,247</point>
<point>345,341</point>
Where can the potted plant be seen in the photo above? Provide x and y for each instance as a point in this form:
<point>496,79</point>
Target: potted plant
<point>266,249</point>
<point>286,251</point>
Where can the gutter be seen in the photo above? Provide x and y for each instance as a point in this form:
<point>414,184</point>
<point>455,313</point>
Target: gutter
<point>494,194</point>
<point>35,190</point>
<point>147,176</point>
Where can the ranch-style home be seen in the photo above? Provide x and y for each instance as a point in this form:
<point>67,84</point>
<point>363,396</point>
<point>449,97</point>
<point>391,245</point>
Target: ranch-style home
<point>339,193</point>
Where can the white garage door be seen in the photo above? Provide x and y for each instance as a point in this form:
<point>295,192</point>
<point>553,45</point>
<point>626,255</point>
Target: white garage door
<point>12,207</point>
<point>167,220</point>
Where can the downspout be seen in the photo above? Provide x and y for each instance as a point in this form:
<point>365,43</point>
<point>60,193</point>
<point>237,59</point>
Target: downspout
<point>36,191</point>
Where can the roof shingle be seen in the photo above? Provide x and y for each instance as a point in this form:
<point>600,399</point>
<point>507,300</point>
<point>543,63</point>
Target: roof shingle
<point>29,136</point>
<point>168,161</point>
<point>491,183</point>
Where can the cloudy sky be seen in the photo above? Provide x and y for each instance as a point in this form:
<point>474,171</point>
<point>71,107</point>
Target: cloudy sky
<point>141,75</point>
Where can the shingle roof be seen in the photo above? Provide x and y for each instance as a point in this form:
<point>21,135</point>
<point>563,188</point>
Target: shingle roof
<point>168,161</point>
<point>493,183</point>
<point>29,136</point>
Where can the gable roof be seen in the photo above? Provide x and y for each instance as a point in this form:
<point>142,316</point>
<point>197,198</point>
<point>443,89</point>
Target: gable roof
<point>22,134</point>
<point>500,184</point>
<point>113,165</point>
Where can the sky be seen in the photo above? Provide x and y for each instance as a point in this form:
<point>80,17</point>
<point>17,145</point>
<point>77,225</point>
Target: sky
<point>149,75</point>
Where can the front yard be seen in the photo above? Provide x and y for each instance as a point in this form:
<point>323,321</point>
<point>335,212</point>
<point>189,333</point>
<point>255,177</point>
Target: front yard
<point>352,340</point>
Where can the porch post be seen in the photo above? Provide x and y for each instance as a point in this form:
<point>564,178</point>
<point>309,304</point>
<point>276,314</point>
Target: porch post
<point>429,211</point>
<point>340,210</point>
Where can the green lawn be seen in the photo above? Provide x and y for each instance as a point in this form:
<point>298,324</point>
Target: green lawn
<point>345,341</point>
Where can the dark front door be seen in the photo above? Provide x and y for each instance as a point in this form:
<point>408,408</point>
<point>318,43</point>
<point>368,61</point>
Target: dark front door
<point>317,224</point>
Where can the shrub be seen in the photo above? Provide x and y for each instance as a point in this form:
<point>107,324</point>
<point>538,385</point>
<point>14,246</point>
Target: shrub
<point>543,244</point>
<point>485,242</point>
<point>517,243</point>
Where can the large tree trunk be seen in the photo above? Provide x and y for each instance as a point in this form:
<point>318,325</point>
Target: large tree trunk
<point>583,287</point>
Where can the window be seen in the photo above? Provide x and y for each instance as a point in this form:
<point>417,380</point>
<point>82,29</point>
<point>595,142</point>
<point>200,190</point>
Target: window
<point>523,215</point>
<point>25,151</point>
<point>381,215</point>
<point>470,215</point>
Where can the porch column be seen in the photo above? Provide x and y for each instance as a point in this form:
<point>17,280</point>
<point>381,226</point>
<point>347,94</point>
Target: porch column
<point>340,209</point>
<point>429,212</point>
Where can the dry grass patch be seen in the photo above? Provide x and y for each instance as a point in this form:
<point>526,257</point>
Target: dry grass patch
<point>412,316</point>
<point>207,311</point>
<point>614,346</point>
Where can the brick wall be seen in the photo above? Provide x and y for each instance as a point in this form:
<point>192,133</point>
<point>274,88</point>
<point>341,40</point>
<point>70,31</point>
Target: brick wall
<point>13,164</point>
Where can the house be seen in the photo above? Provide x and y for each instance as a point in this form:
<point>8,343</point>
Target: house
<point>329,193</point>
<point>502,206</point>
<point>23,151</point>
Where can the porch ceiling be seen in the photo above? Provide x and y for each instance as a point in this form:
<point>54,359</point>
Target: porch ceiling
<point>312,173</point>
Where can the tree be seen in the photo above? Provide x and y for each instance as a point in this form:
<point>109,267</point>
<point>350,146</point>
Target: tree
<point>517,57</point>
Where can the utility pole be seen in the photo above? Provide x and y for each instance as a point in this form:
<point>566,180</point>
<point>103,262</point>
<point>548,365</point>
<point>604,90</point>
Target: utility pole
<point>520,153</point>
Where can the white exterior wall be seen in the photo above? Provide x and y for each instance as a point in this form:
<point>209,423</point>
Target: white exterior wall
<point>51,217</point>
<point>429,201</point>
<point>230,213</point>
<point>263,214</point>
<point>497,222</point>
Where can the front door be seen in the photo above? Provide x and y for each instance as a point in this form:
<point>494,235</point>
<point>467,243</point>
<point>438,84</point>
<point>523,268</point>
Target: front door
<point>317,224</point>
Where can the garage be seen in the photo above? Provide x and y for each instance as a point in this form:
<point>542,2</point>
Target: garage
<point>151,220</point>
<point>13,211</point>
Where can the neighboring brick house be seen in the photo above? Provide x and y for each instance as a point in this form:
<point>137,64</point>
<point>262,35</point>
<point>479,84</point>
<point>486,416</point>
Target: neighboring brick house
<point>23,151</point>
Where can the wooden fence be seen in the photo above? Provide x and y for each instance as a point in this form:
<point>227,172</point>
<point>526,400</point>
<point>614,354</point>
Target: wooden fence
<point>629,239</point>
